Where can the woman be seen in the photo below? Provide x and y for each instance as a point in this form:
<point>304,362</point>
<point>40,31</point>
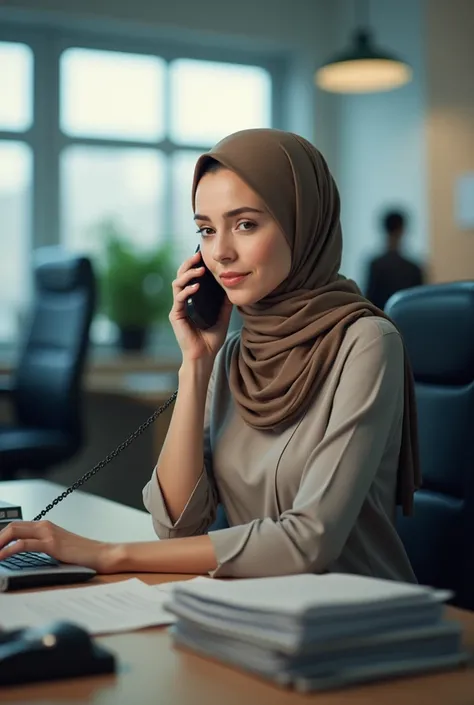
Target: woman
<point>308,414</point>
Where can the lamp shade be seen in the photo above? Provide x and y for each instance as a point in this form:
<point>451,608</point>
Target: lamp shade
<point>363,69</point>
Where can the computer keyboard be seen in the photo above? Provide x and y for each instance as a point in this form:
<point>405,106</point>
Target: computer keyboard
<point>27,561</point>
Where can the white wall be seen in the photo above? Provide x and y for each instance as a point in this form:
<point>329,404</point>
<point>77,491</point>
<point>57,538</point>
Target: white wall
<point>450,131</point>
<point>380,156</point>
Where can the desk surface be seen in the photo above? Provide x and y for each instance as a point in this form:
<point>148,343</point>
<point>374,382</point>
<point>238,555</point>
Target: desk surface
<point>153,672</point>
<point>83,513</point>
<point>149,387</point>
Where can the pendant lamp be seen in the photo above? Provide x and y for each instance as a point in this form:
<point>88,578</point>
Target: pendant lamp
<point>364,67</point>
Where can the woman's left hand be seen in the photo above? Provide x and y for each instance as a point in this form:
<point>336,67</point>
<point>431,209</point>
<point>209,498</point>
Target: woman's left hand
<point>45,537</point>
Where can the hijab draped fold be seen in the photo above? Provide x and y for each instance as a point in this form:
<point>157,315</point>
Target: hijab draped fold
<point>291,338</point>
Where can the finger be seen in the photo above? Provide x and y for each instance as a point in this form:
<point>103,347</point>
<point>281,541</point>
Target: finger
<point>190,262</point>
<point>24,529</point>
<point>22,545</point>
<point>185,278</point>
<point>10,533</point>
<point>184,293</point>
<point>6,535</point>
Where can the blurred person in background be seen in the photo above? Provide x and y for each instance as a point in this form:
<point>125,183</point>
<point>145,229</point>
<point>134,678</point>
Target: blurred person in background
<point>392,271</point>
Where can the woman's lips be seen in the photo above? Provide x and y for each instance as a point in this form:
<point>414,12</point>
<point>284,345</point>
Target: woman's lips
<point>232,279</point>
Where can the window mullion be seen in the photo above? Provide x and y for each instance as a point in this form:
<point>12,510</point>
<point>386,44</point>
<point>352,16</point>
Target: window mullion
<point>45,138</point>
<point>168,195</point>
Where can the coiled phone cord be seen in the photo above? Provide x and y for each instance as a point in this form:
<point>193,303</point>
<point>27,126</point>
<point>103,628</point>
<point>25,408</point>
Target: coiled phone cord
<point>108,458</point>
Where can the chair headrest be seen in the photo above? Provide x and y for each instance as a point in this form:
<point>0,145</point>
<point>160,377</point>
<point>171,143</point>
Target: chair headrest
<point>60,271</point>
<point>437,325</point>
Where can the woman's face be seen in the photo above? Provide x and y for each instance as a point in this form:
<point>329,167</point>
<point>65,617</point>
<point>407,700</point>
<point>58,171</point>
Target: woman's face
<point>241,243</point>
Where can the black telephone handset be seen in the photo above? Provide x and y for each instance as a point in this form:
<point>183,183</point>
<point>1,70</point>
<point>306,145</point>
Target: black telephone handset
<point>204,306</point>
<point>203,310</point>
<point>55,651</point>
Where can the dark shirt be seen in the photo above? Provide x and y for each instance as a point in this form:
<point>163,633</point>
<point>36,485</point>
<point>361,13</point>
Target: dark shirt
<point>390,273</point>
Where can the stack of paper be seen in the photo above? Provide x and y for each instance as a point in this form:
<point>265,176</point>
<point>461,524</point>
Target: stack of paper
<point>314,632</point>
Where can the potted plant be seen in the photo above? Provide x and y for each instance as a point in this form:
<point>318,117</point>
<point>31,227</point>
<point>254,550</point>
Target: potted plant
<point>135,285</point>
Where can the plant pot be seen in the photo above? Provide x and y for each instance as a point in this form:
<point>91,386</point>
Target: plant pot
<point>133,338</point>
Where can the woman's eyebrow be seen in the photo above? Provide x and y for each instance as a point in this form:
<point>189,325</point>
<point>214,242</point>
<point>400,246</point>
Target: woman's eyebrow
<point>230,214</point>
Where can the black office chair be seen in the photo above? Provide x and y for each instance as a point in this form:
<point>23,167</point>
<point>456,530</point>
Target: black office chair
<point>46,386</point>
<point>437,323</point>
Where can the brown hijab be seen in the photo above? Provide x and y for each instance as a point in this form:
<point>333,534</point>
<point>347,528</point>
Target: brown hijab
<point>290,339</point>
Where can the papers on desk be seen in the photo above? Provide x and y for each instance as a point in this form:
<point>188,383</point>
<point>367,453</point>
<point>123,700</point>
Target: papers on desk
<point>100,609</point>
<point>167,588</point>
<point>316,632</point>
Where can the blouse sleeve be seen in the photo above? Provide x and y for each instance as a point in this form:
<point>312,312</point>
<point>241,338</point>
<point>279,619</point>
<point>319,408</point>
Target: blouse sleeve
<point>200,510</point>
<point>367,406</point>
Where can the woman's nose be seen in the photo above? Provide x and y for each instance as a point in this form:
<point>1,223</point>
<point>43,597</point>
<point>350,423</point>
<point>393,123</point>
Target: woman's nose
<point>223,250</point>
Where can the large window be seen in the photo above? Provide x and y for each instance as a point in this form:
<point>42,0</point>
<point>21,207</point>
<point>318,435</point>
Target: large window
<point>210,100</point>
<point>16,82</point>
<point>16,117</point>
<point>111,94</point>
<point>126,185</point>
<point>91,133</point>
<point>165,114</point>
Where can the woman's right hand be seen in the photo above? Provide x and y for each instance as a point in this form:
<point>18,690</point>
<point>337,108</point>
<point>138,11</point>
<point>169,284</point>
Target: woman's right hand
<point>195,344</point>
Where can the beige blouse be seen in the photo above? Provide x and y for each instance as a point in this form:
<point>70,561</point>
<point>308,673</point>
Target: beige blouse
<point>317,497</point>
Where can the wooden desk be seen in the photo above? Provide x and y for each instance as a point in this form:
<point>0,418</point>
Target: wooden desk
<point>152,672</point>
<point>151,387</point>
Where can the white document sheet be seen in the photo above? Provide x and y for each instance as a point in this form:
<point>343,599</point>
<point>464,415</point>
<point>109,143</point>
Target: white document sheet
<point>294,594</point>
<point>100,609</point>
<point>167,588</point>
